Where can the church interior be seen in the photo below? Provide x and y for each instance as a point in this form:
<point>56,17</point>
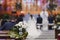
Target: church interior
<point>35,6</point>
<point>13,12</point>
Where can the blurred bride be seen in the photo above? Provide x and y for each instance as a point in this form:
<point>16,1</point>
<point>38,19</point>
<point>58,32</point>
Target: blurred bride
<point>31,29</point>
<point>44,15</point>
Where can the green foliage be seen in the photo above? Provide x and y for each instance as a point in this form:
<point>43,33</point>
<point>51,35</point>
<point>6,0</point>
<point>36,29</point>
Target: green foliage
<point>58,16</point>
<point>23,30</point>
<point>52,6</point>
<point>5,16</point>
<point>58,19</point>
<point>19,6</point>
<point>14,32</point>
<point>15,29</point>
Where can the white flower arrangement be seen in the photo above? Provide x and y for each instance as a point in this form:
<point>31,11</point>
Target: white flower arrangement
<point>19,31</point>
<point>23,24</point>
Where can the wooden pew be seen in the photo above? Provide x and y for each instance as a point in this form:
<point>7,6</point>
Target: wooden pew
<point>4,35</point>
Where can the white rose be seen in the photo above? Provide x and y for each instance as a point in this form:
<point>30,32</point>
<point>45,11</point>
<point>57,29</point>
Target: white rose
<point>20,29</point>
<point>20,23</point>
<point>17,25</point>
<point>24,25</point>
<point>20,33</point>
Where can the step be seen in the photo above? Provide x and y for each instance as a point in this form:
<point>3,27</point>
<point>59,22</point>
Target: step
<point>41,39</point>
<point>47,36</point>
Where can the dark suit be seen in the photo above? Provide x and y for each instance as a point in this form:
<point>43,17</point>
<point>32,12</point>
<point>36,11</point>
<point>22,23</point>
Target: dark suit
<point>50,19</point>
<point>3,22</point>
<point>39,20</point>
<point>20,18</point>
<point>7,26</point>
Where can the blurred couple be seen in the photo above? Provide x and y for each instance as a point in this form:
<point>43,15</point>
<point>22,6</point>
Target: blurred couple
<point>31,27</point>
<point>31,21</point>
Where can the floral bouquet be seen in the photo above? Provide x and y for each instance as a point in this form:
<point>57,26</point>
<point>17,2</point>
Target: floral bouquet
<point>18,31</point>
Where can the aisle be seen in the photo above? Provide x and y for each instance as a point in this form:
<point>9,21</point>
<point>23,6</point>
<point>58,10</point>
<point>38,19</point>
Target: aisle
<point>46,35</point>
<point>41,39</point>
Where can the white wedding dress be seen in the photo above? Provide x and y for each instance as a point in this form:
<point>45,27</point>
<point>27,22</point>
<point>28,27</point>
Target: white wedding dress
<point>31,29</point>
<point>44,16</point>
